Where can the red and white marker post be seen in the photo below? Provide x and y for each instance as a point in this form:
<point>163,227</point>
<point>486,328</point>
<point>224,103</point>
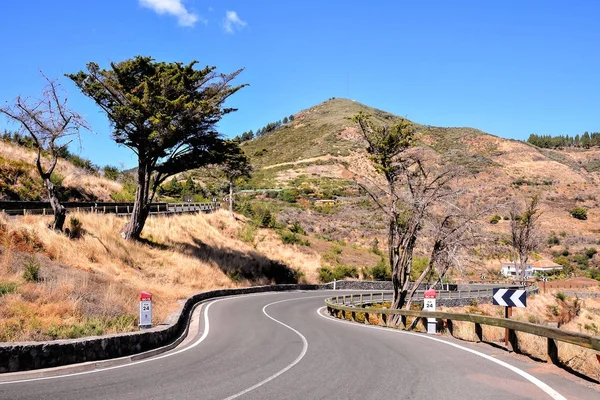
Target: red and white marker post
<point>145,310</point>
<point>429,305</point>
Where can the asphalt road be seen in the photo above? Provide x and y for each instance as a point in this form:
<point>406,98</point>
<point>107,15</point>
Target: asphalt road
<point>277,346</point>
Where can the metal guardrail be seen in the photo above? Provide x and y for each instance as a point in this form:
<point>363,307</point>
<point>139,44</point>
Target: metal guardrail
<point>346,306</point>
<point>121,209</point>
<point>371,298</point>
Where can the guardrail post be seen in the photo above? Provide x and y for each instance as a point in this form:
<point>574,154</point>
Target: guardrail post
<point>450,326</point>
<point>479,332</point>
<point>384,319</point>
<point>367,319</point>
<point>353,316</point>
<point>382,300</point>
<point>403,322</point>
<point>371,298</point>
<point>552,352</point>
<point>361,299</point>
<point>104,209</point>
<point>352,300</point>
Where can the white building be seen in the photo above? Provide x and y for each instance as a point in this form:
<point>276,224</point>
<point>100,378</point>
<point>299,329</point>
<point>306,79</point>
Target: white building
<point>536,268</point>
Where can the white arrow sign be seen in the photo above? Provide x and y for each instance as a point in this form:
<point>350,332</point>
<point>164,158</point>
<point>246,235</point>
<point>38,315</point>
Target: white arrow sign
<point>510,297</point>
<point>515,298</point>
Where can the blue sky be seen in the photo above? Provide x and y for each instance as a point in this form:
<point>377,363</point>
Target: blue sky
<point>510,68</point>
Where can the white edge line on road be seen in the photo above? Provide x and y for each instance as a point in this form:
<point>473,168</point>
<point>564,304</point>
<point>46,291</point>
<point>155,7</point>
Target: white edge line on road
<point>169,354</point>
<point>547,389</point>
<point>290,366</point>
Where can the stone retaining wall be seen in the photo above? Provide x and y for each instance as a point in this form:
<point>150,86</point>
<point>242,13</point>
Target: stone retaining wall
<point>34,355</point>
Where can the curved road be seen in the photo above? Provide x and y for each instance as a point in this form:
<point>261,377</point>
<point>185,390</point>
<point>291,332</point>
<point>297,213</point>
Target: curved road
<point>278,346</point>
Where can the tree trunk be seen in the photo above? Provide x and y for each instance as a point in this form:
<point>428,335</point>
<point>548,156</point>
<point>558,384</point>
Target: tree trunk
<point>57,208</point>
<point>231,199</point>
<point>434,255</point>
<point>141,207</point>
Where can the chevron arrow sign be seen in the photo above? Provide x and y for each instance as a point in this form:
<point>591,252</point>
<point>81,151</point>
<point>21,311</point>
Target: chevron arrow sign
<point>510,298</point>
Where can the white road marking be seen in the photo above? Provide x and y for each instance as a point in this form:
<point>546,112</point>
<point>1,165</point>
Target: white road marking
<point>296,361</point>
<point>547,389</point>
<point>169,354</point>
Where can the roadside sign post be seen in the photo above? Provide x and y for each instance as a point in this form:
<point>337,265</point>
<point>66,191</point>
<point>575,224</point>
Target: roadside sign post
<point>507,315</point>
<point>145,310</point>
<point>429,305</point>
<point>509,298</point>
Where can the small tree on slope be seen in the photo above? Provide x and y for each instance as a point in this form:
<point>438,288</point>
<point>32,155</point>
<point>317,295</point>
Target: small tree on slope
<point>50,123</point>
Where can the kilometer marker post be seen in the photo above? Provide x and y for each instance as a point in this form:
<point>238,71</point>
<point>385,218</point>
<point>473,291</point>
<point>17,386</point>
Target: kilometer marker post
<point>145,310</point>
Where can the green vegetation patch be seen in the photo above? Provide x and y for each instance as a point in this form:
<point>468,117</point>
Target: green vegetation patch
<point>18,181</point>
<point>94,327</point>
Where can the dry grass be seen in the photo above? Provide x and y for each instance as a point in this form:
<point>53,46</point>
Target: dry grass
<point>95,281</point>
<point>91,186</point>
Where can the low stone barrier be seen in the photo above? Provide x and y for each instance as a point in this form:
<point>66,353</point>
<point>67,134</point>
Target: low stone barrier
<point>34,355</point>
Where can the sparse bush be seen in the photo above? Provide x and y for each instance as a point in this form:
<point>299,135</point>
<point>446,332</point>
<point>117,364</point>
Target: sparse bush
<point>579,213</point>
<point>591,328</point>
<point>288,237</point>
<point>297,228</point>
<point>336,250</point>
<point>7,288</point>
<point>289,196</point>
<point>418,266</point>
<point>57,179</point>
<point>111,172</point>
<point>561,296</point>
<point>591,252</point>
<point>565,252</point>
<point>495,219</point>
<point>380,272</point>
<point>506,218</point>
<point>581,260</point>
<point>594,274</point>
<point>339,272</point>
<point>76,230</point>
<point>247,233</point>
<point>375,247</point>
<point>553,240</point>
<point>32,270</point>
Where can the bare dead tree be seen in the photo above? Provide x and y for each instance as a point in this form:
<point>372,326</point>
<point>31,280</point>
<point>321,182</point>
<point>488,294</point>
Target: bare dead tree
<point>51,124</point>
<point>413,186</point>
<point>428,186</point>
<point>525,233</point>
<point>452,229</point>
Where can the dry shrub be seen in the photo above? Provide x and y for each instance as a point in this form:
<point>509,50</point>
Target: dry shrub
<point>464,330</point>
<point>532,345</point>
<point>579,359</point>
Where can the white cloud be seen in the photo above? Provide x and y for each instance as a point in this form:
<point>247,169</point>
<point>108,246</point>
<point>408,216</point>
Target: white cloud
<point>232,22</point>
<point>175,8</point>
